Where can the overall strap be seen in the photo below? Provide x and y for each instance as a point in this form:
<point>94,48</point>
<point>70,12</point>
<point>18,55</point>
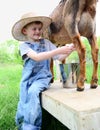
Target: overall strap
<point>42,42</point>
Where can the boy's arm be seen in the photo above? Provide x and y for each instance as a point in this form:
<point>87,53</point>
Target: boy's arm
<point>66,50</point>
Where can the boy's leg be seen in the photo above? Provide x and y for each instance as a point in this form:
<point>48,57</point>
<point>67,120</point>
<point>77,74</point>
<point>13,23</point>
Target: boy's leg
<point>33,112</point>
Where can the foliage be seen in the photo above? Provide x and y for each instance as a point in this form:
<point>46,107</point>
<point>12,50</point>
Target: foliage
<point>74,56</point>
<point>9,93</point>
<point>9,52</point>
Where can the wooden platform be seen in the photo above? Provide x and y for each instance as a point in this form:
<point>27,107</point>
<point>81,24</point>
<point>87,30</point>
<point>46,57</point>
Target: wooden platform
<point>76,110</point>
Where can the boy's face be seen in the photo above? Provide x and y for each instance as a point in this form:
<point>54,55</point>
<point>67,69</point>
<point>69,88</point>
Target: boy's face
<point>33,31</point>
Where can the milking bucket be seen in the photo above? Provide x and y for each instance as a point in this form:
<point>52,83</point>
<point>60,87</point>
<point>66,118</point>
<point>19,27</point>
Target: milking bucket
<point>69,74</point>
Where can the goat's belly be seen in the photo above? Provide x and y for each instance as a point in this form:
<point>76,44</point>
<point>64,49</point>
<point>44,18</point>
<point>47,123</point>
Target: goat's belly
<point>86,25</point>
<point>60,38</point>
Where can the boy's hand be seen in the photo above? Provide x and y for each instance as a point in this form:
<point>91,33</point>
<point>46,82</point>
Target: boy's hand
<point>66,51</point>
<point>68,48</point>
<point>71,46</point>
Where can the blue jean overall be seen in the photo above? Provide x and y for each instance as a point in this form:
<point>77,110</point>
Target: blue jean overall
<point>36,78</point>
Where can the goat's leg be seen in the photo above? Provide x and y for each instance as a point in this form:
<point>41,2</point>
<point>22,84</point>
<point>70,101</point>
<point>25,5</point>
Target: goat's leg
<point>51,67</point>
<point>94,52</point>
<point>71,14</point>
<point>81,53</point>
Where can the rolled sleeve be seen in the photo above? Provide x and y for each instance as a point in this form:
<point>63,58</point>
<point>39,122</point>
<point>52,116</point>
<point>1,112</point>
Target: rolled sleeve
<point>50,46</point>
<point>24,49</point>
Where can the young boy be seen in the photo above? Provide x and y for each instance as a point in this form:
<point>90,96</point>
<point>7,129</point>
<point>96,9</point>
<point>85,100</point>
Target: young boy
<point>36,76</point>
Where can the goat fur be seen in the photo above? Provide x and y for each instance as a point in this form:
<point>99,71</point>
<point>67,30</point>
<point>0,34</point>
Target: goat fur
<point>72,19</point>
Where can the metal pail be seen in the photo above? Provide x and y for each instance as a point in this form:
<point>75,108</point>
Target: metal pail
<point>69,74</point>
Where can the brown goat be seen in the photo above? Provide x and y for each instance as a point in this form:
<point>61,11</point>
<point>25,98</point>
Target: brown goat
<point>72,19</point>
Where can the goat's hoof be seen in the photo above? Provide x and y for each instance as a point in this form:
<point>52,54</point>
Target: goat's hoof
<point>93,86</point>
<point>80,89</point>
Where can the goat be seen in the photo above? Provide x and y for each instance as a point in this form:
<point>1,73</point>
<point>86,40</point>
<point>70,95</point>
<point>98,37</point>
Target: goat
<point>72,19</point>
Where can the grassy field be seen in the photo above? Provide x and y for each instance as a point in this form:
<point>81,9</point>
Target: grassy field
<point>9,89</point>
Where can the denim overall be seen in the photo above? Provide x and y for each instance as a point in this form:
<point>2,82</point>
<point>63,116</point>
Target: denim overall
<point>36,78</point>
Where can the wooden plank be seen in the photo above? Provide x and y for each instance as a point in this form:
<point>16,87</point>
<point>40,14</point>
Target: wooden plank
<point>76,110</point>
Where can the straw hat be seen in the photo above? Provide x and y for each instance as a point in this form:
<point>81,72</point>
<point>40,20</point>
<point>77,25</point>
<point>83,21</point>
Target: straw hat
<point>26,19</point>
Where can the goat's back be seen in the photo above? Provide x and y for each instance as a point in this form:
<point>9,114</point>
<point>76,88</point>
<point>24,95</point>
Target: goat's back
<point>65,24</point>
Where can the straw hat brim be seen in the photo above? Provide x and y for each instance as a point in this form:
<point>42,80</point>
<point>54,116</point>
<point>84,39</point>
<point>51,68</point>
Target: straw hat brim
<point>18,26</point>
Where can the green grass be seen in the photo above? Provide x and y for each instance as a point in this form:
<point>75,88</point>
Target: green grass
<point>9,90</point>
<point>89,69</point>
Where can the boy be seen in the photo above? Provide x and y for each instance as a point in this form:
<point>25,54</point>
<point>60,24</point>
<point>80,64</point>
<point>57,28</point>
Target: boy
<point>36,76</point>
